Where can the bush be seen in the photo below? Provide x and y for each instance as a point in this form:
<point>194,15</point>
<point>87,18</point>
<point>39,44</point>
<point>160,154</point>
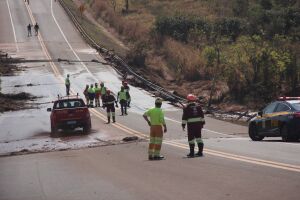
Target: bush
<point>183,59</point>
<point>177,26</point>
<point>180,27</point>
<point>137,55</point>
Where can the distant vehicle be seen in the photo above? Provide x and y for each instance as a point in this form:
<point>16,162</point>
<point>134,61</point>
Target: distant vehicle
<point>69,113</point>
<point>280,118</point>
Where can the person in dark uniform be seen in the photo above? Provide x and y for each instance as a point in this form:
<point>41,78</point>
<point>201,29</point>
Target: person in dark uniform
<point>109,102</point>
<point>36,28</point>
<point>29,30</point>
<point>193,117</point>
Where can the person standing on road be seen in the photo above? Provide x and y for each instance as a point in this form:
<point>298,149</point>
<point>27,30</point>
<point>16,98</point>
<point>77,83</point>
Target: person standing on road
<point>156,122</point>
<point>126,88</point>
<point>109,103</point>
<point>91,92</point>
<point>36,28</point>
<point>97,95</point>
<point>86,94</point>
<point>29,30</point>
<point>102,92</point>
<point>122,96</point>
<point>193,117</point>
<point>68,84</point>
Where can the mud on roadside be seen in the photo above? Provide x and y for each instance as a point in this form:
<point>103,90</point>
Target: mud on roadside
<point>12,101</point>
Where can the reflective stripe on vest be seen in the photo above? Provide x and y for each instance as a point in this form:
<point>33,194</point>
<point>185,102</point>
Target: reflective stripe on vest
<point>196,119</point>
<point>110,102</point>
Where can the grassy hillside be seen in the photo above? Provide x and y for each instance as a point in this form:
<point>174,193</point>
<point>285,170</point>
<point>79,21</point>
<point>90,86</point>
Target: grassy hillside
<point>244,50</point>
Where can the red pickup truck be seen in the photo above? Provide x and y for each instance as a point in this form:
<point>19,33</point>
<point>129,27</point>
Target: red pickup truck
<point>69,113</point>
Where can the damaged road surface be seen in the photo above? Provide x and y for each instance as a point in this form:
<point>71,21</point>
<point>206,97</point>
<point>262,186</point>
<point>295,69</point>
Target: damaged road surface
<point>117,167</point>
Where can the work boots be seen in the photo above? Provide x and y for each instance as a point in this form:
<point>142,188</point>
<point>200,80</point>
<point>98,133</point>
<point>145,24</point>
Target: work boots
<point>192,153</point>
<point>160,157</point>
<point>200,152</point>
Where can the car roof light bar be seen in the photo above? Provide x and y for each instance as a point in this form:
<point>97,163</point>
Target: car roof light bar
<point>288,98</point>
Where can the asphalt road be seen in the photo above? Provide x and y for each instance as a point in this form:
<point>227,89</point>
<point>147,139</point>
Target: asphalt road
<point>233,166</point>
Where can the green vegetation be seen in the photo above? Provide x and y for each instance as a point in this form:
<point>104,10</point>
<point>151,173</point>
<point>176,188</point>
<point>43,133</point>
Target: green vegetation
<point>252,46</point>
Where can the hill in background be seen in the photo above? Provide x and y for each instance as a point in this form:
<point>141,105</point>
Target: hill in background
<point>244,51</point>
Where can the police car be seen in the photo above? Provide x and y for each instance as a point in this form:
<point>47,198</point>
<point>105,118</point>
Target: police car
<point>280,118</point>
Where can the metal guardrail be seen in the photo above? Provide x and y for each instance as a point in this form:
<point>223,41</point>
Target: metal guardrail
<point>119,61</point>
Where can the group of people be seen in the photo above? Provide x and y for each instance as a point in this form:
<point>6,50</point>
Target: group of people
<point>192,117</point>
<point>93,94</point>
<point>36,29</point>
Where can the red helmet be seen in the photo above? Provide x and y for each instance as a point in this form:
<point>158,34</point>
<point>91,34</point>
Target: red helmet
<point>107,91</point>
<point>191,97</point>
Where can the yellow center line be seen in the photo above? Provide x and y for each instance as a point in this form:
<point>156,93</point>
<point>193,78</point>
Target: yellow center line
<point>54,68</point>
<point>130,131</point>
<point>262,162</point>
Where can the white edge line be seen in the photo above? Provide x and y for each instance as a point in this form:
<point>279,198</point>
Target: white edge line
<point>62,33</point>
<point>13,27</point>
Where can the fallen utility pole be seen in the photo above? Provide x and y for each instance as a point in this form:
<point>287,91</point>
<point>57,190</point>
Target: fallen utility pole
<point>22,60</point>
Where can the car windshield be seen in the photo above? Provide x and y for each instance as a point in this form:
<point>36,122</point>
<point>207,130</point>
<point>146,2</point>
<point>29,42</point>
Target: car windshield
<point>69,103</point>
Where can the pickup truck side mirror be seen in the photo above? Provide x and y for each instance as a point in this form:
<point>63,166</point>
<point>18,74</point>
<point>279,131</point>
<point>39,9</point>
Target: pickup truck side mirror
<point>49,109</point>
<point>260,113</point>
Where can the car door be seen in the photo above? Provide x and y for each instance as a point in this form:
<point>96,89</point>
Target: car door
<point>280,115</point>
<point>267,114</point>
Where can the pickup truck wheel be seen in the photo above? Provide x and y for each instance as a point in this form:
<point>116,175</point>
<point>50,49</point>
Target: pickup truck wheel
<point>253,134</point>
<point>87,128</point>
<point>54,131</point>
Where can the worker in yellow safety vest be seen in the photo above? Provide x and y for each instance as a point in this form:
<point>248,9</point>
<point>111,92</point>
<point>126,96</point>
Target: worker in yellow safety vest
<point>97,95</point>
<point>102,92</point>
<point>86,94</point>
<point>122,98</point>
<point>91,92</point>
<point>68,84</point>
<point>156,123</point>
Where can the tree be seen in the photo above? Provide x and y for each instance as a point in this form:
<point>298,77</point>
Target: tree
<point>266,4</point>
<point>114,4</point>
<point>240,8</point>
<point>126,5</point>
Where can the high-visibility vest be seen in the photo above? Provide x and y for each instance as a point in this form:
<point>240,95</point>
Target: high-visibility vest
<point>122,95</point>
<point>103,90</point>
<point>91,90</point>
<point>156,116</point>
<point>97,90</point>
<point>67,81</point>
